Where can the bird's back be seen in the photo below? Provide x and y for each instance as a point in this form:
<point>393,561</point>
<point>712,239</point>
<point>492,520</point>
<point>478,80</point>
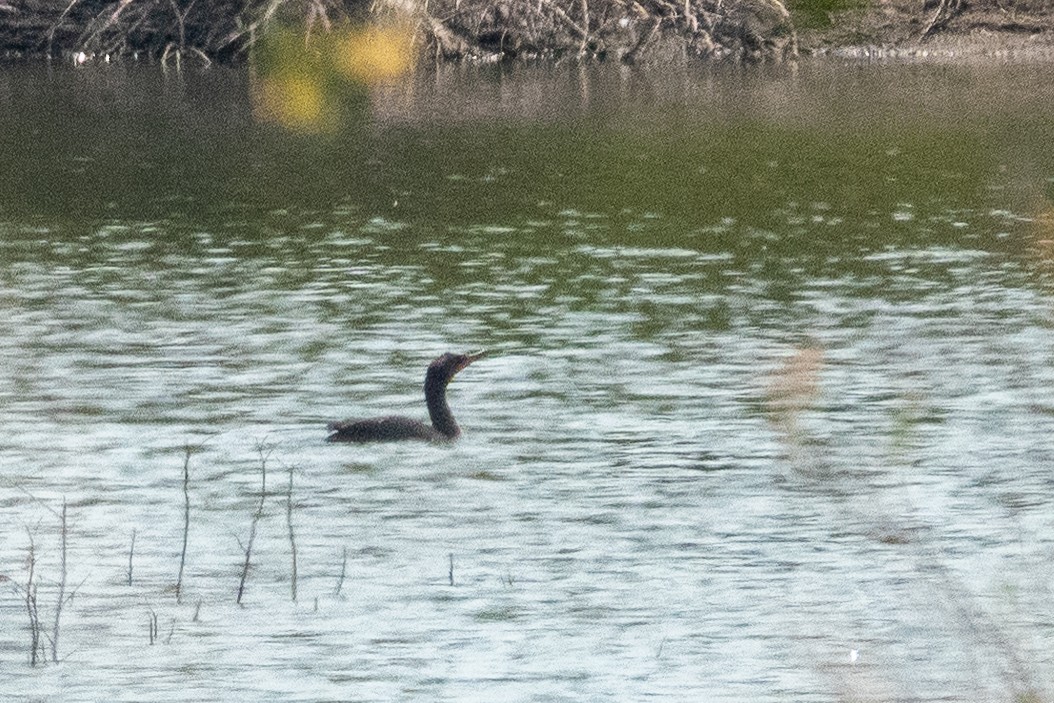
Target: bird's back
<point>382,429</point>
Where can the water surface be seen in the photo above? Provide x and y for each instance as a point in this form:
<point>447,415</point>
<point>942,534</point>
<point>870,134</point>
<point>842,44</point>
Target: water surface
<point>767,413</point>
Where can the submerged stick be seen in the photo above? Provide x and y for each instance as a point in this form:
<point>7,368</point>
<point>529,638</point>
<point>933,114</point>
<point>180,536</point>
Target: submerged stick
<point>343,571</point>
<point>289,521</point>
<point>255,521</point>
<point>31,604</point>
<point>131,553</point>
<point>187,451</point>
<point>451,568</point>
<point>62,590</point>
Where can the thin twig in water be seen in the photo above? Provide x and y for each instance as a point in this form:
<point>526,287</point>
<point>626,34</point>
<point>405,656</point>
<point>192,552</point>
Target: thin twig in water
<point>343,571</point>
<point>131,554</point>
<point>292,536</point>
<point>187,451</point>
<point>22,489</point>
<point>62,590</point>
<point>255,521</point>
<point>451,568</point>
<point>31,603</point>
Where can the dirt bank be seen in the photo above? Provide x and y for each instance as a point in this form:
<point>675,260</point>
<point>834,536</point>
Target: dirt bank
<point>931,29</point>
<point>629,31</point>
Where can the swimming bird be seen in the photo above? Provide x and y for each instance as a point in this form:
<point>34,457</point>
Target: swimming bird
<point>395,427</point>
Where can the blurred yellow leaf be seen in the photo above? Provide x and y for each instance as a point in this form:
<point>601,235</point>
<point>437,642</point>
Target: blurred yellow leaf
<point>316,84</point>
<point>294,101</point>
<point>375,54</point>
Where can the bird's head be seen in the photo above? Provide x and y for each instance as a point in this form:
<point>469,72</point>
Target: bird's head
<point>449,364</point>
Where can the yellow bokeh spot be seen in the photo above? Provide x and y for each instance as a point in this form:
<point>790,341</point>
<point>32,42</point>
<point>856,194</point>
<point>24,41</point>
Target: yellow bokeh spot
<point>375,54</point>
<point>294,101</point>
<point>314,84</point>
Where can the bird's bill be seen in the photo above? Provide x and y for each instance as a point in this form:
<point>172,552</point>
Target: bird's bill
<point>469,358</point>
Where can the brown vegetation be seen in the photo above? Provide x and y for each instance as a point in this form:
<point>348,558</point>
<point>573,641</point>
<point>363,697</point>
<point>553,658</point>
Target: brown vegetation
<point>630,31</point>
<point>977,26</point>
<point>627,30</point>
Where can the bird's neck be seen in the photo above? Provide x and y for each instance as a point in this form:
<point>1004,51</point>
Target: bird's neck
<point>438,410</point>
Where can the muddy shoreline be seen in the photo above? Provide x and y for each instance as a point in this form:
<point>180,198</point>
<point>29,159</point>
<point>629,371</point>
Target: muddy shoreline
<point>654,32</point>
<point>937,30</point>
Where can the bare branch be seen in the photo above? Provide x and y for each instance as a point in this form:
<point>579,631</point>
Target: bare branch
<point>260,448</point>
<point>292,536</point>
<point>187,451</point>
<point>62,590</point>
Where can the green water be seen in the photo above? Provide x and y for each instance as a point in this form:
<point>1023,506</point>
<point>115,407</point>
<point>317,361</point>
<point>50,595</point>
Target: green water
<point>769,382</point>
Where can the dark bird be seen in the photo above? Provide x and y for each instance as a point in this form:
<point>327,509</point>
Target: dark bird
<point>395,427</point>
